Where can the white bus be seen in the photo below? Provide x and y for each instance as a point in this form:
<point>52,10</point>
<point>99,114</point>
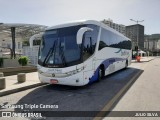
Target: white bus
<point>82,52</point>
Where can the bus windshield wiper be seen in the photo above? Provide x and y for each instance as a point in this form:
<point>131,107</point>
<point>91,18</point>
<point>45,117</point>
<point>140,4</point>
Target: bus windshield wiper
<point>52,49</point>
<point>62,56</point>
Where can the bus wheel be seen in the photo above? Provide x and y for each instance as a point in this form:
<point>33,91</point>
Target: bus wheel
<point>126,64</point>
<point>100,73</point>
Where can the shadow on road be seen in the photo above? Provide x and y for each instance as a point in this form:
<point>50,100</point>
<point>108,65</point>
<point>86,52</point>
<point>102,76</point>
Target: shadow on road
<point>82,102</point>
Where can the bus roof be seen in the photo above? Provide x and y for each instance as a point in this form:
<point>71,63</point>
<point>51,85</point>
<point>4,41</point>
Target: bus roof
<point>83,22</point>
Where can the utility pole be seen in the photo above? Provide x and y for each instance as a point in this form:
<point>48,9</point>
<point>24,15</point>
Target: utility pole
<point>13,41</point>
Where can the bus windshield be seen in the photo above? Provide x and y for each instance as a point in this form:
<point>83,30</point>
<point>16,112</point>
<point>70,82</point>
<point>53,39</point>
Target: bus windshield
<point>59,47</point>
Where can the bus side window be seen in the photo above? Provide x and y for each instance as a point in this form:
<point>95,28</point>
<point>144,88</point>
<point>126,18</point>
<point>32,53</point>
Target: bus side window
<point>86,48</point>
<point>104,39</point>
<point>89,42</point>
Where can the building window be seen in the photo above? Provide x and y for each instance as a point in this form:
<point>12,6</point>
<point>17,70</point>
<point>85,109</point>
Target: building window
<point>19,45</point>
<point>8,45</point>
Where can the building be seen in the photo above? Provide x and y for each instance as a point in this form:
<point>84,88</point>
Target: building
<point>119,27</point>
<point>136,34</point>
<point>6,42</point>
<point>152,44</point>
<point>13,36</point>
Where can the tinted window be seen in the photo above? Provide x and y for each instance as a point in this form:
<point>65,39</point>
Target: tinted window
<point>104,39</point>
<point>109,39</point>
<point>59,47</point>
<point>36,42</point>
<point>119,42</point>
<point>89,41</point>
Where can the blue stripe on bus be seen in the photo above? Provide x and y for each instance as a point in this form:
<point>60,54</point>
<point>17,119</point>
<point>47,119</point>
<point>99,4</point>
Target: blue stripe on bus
<point>106,64</point>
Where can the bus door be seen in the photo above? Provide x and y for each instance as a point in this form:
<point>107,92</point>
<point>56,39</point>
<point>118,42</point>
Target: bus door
<point>88,50</point>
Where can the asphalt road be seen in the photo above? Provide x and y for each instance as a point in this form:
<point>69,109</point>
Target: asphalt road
<point>144,95</point>
<point>92,97</point>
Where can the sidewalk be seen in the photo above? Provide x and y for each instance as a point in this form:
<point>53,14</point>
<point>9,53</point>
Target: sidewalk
<point>144,59</point>
<point>13,86</point>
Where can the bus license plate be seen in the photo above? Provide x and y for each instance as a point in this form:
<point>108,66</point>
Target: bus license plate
<point>53,81</point>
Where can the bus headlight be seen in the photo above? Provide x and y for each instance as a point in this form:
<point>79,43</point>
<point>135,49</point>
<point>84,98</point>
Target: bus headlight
<point>72,72</point>
<point>75,71</point>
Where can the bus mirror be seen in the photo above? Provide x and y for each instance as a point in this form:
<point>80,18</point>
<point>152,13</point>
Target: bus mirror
<point>34,37</point>
<point>80,33</point>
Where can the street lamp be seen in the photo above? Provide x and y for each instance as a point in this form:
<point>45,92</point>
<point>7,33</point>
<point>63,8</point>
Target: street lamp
<point>137,21</point>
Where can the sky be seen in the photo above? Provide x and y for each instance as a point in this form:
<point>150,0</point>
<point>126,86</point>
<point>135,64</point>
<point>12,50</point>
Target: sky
<point>53,12</point>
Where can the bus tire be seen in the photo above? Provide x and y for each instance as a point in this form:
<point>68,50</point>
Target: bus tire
<point>126,64</point>
<point>100,73</point>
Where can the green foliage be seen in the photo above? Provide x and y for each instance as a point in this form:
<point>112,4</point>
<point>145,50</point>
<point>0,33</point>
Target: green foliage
<point>23,60</point>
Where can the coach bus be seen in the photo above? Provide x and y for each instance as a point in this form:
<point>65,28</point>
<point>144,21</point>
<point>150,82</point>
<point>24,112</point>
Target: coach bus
<point>80,53</point>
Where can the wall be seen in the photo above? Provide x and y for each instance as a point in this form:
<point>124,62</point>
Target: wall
<point>10,63</point>
<point>15,71</point>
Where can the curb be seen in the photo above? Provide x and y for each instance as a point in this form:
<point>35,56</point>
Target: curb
<point>108,107</point>
<point>20,89</point>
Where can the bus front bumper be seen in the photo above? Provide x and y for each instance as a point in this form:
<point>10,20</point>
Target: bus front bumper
<point>73,80</point>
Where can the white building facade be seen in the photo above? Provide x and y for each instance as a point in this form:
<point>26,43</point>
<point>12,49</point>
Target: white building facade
<point>119,27</point>
<point>152,43</point>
